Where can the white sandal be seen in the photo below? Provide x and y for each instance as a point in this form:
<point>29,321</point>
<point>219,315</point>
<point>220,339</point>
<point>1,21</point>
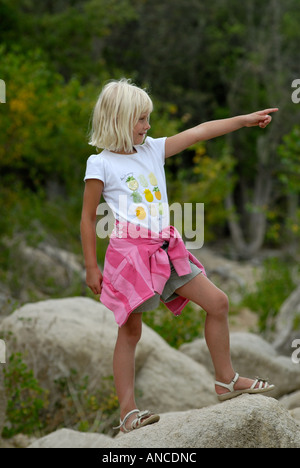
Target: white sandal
<point>137,422</point>
<point>264,387</point>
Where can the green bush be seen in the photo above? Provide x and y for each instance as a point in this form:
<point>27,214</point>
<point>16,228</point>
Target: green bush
<point>26,400</point>
<point>84,410</point>
<point>43,127</point>
<point>274,286</point>
<point>76,406</point>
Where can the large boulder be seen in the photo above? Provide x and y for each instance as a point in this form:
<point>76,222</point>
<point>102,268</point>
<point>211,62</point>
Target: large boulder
<point>78,334</point>
<point>43,271</point>
<point>292,403</point>
<point>285,330</point>
<point>252,356</point>
<point>246,422</point>
<point>67,438</point>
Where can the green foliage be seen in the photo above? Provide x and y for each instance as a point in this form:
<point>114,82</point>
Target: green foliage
<point>273,287</point>
<point>289,152</point>
<point>43,127</point>
<point>71,34</point>
<point>43,151</point>
<point>26,400</point>
<point>177,330</point>
<point>77,407</point>
<point>210,180</point>
<point>84,410</point>
<point>215,71</point>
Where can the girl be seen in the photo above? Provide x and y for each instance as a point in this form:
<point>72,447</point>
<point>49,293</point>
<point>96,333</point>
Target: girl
<point>146,260</point>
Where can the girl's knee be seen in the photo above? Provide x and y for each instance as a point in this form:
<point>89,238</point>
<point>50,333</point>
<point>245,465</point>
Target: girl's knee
<point>221,305</point>
<point>134,336</point>
<point>132,331</point>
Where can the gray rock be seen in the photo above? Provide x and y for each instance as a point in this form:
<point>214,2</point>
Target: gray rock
<point>291,401</point>
<point>246,422</point>
<point>295,413</point>
<point>67,438</point>
<point>285,333</point>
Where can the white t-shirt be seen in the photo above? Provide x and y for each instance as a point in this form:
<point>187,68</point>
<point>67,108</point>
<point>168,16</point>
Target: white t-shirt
<point>134,184</point>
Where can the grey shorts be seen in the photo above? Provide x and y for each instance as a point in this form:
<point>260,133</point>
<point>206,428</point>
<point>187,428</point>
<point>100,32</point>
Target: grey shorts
<point>168,294</point>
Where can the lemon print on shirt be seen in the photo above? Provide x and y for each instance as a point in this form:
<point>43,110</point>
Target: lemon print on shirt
<point>132,183</point>
<point>153,179</point>
<point>148,195</point>
<point>140,213</point>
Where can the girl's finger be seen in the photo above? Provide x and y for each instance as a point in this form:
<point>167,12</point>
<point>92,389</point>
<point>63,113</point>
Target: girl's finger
<point>268,111</point>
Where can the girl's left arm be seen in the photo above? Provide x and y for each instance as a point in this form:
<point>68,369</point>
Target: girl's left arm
<point>216,128</point>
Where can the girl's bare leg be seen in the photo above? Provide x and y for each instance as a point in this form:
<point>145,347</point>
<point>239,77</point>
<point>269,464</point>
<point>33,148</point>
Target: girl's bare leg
<point>124,364</point>
<point>204,293</point>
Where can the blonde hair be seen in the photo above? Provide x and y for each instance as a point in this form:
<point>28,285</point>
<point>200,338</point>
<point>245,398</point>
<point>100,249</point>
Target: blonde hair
<point>117,111</point>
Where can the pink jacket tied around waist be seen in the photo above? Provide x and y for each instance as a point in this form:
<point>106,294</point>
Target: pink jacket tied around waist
<point>136,267</point>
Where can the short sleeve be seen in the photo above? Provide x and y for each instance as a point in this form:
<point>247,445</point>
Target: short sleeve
<point>95,168</point>
<point>157,146</point>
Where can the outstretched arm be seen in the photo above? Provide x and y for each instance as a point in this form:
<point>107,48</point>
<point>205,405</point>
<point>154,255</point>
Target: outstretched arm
<point>216,128</point>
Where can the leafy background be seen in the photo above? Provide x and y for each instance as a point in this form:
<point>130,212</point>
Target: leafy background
<point>199,61</point>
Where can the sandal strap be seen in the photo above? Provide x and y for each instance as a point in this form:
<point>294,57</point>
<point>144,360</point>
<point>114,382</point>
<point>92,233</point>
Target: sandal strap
<point>142,415</point>
<point>263,383</point>
<point>230,386</point>
<point>122,423</point>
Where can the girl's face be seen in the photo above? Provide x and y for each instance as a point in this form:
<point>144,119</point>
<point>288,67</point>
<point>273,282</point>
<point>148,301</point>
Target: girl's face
<point>141,128</point>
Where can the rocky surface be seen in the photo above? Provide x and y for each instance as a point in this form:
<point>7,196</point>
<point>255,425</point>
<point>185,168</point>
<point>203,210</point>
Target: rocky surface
<point>58,336</point>
<point>286,332</point>
<point>247,422</point>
